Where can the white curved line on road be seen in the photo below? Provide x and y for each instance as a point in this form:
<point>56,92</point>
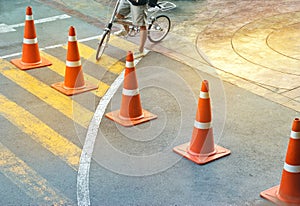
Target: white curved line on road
<point>83,194</point>
<point>83,197</point>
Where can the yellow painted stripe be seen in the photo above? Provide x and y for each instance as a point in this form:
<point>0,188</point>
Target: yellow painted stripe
<point>62,103</point>
<point>123,44</point>
<point>109,63</point>
<point>28,180</point>
<point>40,132</point>
<point>60,66</point>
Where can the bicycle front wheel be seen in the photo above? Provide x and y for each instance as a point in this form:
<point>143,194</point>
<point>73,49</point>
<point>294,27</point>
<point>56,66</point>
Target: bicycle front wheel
<point>102,44</point>
<point>159,28</point>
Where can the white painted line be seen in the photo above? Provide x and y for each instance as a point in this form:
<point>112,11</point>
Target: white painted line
<point>4,28</point>
<point>10,55</point>
<point>10,28</point>
<point>83,197</point>
<point>50,47</point>
<point>83,193</point>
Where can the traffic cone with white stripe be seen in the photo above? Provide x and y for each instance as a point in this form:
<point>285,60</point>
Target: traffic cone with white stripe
<point>30,53</point>
<point>202,149</point>
<point>288,192</point>
<point>131,112</point>
<point>74,81</point>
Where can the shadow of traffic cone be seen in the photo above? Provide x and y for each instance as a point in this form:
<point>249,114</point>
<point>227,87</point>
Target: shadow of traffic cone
<point>131,111</point>
<point>288,192</point>
<point>30,53</point>
<point>74,80</point>
<point>202,149</point>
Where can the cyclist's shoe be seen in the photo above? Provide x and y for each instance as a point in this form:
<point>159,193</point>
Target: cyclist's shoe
<point>121,32</point>
<point>138,54</point>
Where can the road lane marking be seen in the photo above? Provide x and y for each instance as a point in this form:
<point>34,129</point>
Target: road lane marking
<point>83,197</point>
<point>86,155</point>
<point>60,66</point>
<point>83,194</point>
<point>44,92</point>
<point>11,28</point>
<point>122,43</point>
<point>109,63</point>
<point>28,180</point>
<point>115,41</point>
<point>40,132</point>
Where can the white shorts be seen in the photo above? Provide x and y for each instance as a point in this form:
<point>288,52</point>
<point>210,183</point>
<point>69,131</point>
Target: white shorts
<point>138,13</point>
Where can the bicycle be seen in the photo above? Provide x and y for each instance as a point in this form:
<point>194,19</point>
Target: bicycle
<point>158,25</point>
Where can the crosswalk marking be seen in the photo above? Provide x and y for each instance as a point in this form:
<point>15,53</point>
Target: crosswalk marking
<point>28,180</point>
<point>13,167</point>
<point>55,99</point>
<point>121,43</point>
<point>111,64</point>
<point>59,67</point>
<point>40,132</point>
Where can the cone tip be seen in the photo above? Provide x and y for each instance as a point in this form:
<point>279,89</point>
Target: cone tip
<point>28,10</point>
<point>204,87</point>
<point>72,31</point>
<point>296,125</point>
<point>129,57</point>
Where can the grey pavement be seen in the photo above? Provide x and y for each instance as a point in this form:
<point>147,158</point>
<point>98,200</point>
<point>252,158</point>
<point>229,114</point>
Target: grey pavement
<point>255,129</point>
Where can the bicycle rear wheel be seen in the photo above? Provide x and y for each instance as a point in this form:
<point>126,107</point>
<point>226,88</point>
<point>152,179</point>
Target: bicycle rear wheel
<point>159,28</point>
<point>102,44</point>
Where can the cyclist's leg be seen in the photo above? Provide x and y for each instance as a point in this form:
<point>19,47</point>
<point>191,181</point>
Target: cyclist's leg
<point>123,11</point>
<point>139,19</point>
<point>143,38</point>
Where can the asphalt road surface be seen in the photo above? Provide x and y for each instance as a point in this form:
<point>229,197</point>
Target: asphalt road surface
<point>60,150</point>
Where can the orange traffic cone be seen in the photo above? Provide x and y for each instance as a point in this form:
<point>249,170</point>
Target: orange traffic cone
<point>202,149</point>
<point>30,54</point>
<point>288,192</point>
<point>131,111</point>
<point>74,80</point>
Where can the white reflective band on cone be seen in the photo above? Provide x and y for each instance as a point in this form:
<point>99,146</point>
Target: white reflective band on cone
<point>30,41</point>
<point>129,64</point>
<point>72,38</point>
<point>291,168</point>
<point>295,135</point>
<point>132,92</point>
<point>73,63</point>
<point>28,17</point>
<point>204,95</point>
<point>202,125</point>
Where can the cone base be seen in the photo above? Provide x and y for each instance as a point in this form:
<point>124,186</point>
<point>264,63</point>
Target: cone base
<point>69,92</point>
<point>115,116</point>
<point>201,160</point>
<point>17,63</point>
<point>271,195</point>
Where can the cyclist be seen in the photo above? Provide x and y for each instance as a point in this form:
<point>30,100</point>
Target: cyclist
<point>138,13</point>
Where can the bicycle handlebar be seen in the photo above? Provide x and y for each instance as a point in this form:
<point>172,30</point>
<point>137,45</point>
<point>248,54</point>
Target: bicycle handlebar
<point>154,5</point>
<point>165,5</point>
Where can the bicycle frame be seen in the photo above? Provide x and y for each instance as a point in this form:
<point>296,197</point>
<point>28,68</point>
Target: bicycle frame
<point>160,7</point>
<point>112,18</point>
<point>151,20</point>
